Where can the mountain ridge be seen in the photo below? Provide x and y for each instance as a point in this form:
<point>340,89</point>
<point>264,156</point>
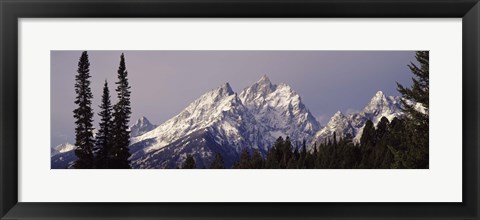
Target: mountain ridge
<point>222,121</point>
<point>379,106</point>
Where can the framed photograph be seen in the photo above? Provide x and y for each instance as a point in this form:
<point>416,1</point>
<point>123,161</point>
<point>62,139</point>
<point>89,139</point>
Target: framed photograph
<point>226,109</point>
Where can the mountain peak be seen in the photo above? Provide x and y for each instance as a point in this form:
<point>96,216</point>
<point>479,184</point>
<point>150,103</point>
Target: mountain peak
<point>280,109</point>
<point>141,126</point>
<point>379,94</point>
<point>225,89</point>
<point>259,90</point>
<point>380,105</point>
<point>338,114</point>
<point>378,99</point>
<point>264,80</point>
<point>142,120</point>
<point>338,117</point>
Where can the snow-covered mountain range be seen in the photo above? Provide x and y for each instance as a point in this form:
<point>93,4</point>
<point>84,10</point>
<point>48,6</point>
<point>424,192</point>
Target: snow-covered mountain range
<point>222,121</point>
<point>280,110</point>
<point>378,107</point>
<point>215,122</point>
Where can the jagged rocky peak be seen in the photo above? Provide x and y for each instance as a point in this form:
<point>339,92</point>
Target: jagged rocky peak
<point>225,90</point>
<point>216,120</point>
<point>264,80</point>
<point>215,95</point>
<point>382,103</point>
<point>280,108</point>
<point>142,120</point>
<point>378,99</point>
<point>287,90</point>
<point>141,126</point>
<point>379,94</point>
<point>338,116</point>
<point>381,98</point>
<point>263,90</point>
<point>379,106</point>
<point>259,89</point>
<point>210,109</point>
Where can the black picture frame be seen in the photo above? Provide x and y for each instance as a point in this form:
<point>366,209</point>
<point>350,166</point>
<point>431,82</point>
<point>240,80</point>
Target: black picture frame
<point>12,10</point>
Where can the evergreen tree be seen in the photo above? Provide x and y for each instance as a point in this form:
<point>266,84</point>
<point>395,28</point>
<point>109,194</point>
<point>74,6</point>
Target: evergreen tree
<point>257,160</point>
<point>300,162</point>
<point>104,134</point>
<point>296,154</point>
<point>303,152</point>
<point>309,161</point>
<point>244,160</point>
<point>189,163</point>
<point>271,162</point>
<point>217,162</point>
<point>368,134</point>
<point>83,115</point>
<point>380,150</point>
<point>416,121</point>
<point>334,138</point>
<point>121,117</point>
<point>323,154</point>
<point>382,129</point>
<point>316,164</point>
<point>292,163</point>
<point>367,143</point>
<point>286,152</point>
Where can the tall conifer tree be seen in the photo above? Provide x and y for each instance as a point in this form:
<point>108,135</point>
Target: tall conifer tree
<point>104,134</point>
<point>217,162</point>
<point>417,120</point>
<point>257,160</point>
<point>245,158</point>
<point>121,118</point>
<point>83,115</point>
<point>368,135</point>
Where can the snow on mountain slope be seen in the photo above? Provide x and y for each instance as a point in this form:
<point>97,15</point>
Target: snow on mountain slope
<point>254,119</point>
<point>220,113</point>
<point>61,148</point>
<point>141,126</point>
<point>220,121</point>
<point>279,109</point>
<point>381,106</point>
<point>378,107</point>
<point>201,144</point>
<point>339,123</point>
<point>199,114</point>
<point>63,160</point>
<point>62,156</point>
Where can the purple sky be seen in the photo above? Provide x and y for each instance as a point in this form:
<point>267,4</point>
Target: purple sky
<point>165,82</point>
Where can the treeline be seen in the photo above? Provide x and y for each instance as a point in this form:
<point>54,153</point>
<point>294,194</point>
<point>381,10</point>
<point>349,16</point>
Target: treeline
<point>109,148</point>
<point>378,149</point>
<point>402,143</point>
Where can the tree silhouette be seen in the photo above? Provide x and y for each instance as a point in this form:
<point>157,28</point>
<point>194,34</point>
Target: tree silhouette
<point>83,115</point>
